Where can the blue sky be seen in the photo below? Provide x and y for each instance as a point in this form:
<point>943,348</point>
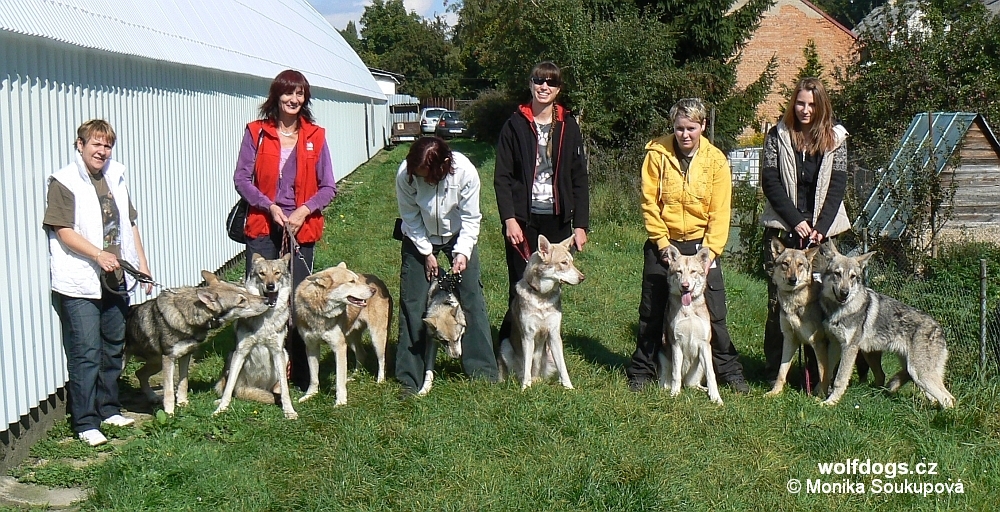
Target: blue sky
<point>339,12</point>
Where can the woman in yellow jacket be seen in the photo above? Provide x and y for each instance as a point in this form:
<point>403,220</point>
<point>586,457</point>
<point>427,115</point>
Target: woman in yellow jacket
<point>686,197</point>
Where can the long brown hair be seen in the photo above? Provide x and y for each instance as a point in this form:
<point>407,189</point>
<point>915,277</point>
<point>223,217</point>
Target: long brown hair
<point>285,83</point>
<point>821,138</point>
<point>432,153</point>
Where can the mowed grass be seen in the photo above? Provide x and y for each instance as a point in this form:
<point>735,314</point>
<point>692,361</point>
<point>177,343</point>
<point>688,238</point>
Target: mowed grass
<point>478,446</point>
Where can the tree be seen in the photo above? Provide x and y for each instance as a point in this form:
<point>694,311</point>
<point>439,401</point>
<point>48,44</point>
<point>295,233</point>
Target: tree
<point>951,64</point>
<point>626,62</point>
<point>405,43</point>
<point>350,34</point>
<point>812,68</point>
<point>849,12</point>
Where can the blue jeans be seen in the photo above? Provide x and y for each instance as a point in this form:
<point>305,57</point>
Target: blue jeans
<point>93,336</point>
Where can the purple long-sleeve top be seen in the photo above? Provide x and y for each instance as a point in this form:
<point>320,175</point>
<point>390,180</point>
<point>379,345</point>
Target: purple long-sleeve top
<point>285,198</point>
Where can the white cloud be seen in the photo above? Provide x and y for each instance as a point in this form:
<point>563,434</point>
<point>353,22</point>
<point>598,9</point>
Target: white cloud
<point>339,12</point>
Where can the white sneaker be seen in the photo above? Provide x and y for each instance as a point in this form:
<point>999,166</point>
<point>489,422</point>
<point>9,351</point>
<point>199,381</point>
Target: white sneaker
<point>93,437</point>
<point>118,420</point>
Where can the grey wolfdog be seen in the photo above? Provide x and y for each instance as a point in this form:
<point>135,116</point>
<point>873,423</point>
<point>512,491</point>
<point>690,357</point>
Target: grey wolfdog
<point>445,321</point>
<point>858,318</point>
<point>271,279</point>
<point>688,327</point>
<point>167,329</point>
<point>535,348</point>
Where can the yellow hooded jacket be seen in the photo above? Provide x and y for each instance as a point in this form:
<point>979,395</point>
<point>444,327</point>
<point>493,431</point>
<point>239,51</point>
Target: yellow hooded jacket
<point>679,207</point>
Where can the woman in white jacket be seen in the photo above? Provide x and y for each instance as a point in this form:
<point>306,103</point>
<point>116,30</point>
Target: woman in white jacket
<point>804,178</point>
<point>438,195</point>
<point>90,223</point>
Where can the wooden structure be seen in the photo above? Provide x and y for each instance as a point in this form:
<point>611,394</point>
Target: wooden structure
<point>965,154</point>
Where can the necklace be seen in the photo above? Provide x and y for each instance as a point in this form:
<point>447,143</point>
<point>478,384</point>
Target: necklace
<point>290,133</point>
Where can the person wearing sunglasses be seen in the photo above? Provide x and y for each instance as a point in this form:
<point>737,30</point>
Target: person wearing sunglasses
<point>541,178</point>
<point>686,200</point>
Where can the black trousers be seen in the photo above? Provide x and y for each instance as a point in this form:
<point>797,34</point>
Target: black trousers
<point>415,353</point>
<point>269,247</point>
<point>653,306</point>
<point>549,225</point>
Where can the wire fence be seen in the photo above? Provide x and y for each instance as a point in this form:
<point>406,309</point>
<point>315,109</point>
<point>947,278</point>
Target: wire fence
<point>960,288</point>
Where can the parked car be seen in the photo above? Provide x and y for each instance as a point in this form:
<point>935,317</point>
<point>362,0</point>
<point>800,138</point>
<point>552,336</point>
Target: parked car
<point>429,119</point>
<point>450,125</point>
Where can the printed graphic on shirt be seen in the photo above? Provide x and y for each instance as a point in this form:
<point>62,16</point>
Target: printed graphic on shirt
<point>541,189</point>
<point>111,223</point>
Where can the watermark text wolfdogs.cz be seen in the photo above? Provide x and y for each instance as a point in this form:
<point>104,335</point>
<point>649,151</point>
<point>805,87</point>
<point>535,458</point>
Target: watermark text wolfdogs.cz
<point>856,476</point>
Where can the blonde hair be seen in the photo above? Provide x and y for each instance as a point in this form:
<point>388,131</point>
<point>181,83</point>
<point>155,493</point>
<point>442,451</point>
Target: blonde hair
<point>691,108</point>
<point>88,130</point>
<point>821,138</point>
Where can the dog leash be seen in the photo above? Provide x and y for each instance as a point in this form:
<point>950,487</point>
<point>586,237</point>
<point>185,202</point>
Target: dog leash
<point>138,276</point>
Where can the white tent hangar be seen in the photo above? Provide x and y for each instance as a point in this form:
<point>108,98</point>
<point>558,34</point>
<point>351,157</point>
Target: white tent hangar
<point>178,80</point>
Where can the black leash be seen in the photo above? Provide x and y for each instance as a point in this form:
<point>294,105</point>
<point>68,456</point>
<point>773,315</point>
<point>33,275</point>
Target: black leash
<point>140,278</point>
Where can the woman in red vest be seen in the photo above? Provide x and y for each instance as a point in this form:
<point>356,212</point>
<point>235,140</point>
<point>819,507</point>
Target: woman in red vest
<point>284,171</point>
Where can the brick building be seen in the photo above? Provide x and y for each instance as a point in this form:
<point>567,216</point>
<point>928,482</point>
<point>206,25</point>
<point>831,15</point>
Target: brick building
<point>784,31</point>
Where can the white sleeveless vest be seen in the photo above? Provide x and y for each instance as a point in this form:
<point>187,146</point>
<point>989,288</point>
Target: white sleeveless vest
<point>75,275</point>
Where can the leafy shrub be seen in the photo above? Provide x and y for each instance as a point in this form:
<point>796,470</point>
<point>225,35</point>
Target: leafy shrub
<point>747,207</point>
<point>486,115</point>
<point>617,170</point>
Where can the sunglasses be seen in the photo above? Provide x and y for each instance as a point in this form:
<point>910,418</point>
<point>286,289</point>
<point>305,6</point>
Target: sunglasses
<point>552,82</point>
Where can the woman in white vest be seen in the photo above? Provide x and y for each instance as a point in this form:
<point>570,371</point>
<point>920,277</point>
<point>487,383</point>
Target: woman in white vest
<point>90,222</point>
<point>803,177</point>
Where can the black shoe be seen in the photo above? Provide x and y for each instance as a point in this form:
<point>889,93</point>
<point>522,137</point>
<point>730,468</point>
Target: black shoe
<point>739,385</point>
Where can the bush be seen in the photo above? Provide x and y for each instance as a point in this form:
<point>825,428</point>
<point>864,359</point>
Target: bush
<point>617,170</point>
<point>486,115</point>
<point>747,206</point>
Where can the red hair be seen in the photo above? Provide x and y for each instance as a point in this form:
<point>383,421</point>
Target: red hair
<point>285,83</point>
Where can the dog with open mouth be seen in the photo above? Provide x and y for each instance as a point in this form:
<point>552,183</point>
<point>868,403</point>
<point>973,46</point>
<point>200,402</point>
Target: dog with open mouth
<point>336,305</point>
<point>686,357</point>
<point>259,360</point>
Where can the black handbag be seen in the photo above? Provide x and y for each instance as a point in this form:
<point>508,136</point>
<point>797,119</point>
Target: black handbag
<point>236,221</point>
<point>397,229</point>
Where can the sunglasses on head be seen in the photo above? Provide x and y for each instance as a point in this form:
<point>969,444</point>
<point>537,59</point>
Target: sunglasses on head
<point>552,82</point>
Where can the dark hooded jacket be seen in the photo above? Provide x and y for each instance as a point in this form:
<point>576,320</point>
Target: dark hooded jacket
<point>515,168</point>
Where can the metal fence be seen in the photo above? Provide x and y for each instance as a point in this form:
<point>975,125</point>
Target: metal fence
<point>745,165</point>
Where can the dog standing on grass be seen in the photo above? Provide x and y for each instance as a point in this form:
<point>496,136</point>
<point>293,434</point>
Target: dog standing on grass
<point>271,279</point>
<point>801,316</point>
<point>535,348</point>
<point>445,323</point>
<point>165,331</point>
<point>336,305</point>
<point>859,318</point>
<point>688,326</point>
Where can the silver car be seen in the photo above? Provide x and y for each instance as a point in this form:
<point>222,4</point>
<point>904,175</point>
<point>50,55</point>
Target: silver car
<point>429,118</point>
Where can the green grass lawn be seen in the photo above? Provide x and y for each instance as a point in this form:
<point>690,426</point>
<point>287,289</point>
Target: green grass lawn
<point>476,446</point>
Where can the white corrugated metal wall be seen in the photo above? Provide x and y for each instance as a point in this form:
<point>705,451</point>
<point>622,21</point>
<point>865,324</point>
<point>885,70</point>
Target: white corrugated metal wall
<point>179,129</point>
